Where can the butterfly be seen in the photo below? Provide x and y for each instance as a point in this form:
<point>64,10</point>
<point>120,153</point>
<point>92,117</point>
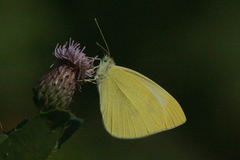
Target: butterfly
<point>132,105</point>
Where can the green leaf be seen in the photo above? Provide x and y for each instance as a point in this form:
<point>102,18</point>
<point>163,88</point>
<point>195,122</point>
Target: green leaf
<point>37,138</point>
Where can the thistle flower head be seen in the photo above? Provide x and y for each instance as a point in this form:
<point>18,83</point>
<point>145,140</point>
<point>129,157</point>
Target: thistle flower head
<point>75,58</point>
<point>56,89</point>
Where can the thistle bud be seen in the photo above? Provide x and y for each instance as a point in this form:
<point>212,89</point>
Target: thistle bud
<point>56,89</point>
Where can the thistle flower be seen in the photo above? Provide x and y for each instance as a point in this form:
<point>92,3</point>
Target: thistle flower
<point>75,58</point>
<point>56,89</point>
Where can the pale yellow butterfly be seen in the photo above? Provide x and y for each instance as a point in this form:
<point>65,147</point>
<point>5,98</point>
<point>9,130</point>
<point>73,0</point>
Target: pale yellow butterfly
<point>132,105</point>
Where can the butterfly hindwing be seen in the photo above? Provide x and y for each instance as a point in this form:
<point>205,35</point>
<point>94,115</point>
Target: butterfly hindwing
<point>173,113</point>
<point>128,107</point>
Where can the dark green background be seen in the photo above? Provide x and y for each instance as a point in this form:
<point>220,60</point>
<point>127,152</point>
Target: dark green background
<point>190,48</point>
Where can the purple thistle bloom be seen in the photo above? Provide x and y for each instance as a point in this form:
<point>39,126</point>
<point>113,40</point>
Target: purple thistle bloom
<point>56,89</point>
<point>75,58</point>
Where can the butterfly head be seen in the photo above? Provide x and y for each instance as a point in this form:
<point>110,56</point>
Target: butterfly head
<point>105,64</point>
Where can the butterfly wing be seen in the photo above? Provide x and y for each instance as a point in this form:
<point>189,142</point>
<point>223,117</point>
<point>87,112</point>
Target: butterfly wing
<point>133,106</point>
<point>173,113</point>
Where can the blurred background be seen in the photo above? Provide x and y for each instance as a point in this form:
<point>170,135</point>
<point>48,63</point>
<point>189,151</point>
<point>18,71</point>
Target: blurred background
<point>190,48</point>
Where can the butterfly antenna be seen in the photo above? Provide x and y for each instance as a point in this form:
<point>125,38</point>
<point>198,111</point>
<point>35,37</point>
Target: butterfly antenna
<point>102,48</point>
<point>108,51</point>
